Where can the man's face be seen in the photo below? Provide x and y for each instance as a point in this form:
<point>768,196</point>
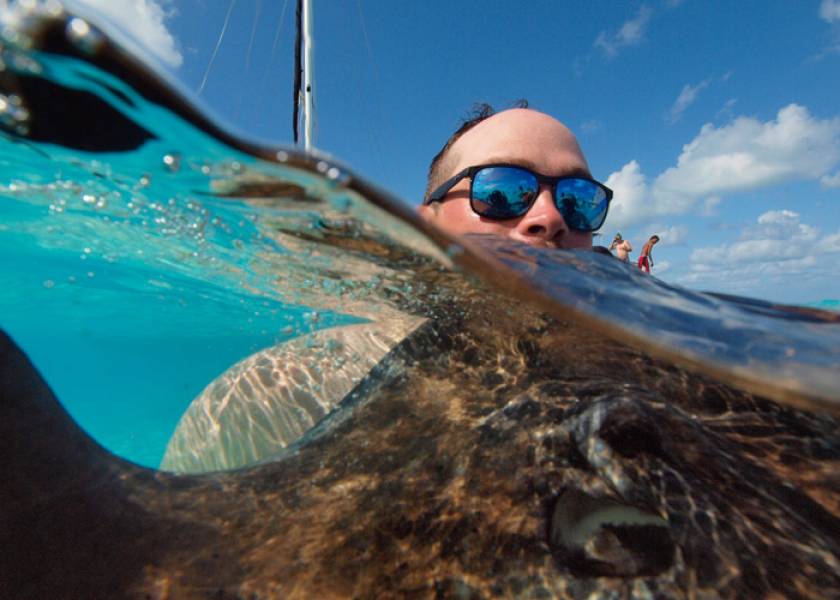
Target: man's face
<point>522,137</point>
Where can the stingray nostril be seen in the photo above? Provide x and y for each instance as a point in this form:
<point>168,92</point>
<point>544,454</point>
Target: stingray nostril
<point>631,432</point>
<point>595,537</point>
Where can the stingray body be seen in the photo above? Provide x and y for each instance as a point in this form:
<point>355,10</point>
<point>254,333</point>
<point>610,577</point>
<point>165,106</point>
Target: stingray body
<point>530,458</point>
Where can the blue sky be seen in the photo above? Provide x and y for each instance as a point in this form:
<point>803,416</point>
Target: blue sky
<point>717,123</point>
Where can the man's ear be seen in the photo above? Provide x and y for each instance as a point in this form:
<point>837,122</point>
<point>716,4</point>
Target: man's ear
<point>429,211</point>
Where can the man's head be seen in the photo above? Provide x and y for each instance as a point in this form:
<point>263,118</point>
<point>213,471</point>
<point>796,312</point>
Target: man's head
<point>518,136</point>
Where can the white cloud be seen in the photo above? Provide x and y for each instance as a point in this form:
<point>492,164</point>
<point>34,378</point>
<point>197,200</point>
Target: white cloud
<point>831,243</point>
<point>669,235</point>
<point>144,21</point>
<point>660,268</point>
<point>726,109</point>
<point>686,98</point>
<point>778,217</point>
<point>768,252</point>
<point>631,33</point>
<point>591,126</point>
<point>831,181</point>
<point>746,154</point>
<point>830,10</point>
<point>630,195</point>
<point>777,235</point>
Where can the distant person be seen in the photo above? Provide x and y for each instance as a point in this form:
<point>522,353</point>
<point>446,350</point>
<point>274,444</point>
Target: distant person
<point>622,248</point>
<point>646,258</point>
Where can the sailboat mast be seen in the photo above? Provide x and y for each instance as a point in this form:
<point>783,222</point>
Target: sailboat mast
<point>307,75</point>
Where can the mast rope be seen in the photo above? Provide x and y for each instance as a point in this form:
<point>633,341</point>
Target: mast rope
<point>216,49</point>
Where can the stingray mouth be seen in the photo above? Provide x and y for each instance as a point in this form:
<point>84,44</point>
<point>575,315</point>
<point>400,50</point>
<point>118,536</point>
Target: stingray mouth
<point>598,537</point>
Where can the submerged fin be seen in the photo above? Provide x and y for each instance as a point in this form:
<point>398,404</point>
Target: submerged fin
<point>79,522</point>
<point>44,451</point>
<point>52,483</point>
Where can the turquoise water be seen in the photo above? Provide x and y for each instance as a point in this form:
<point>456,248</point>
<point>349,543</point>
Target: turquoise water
<point>128,285</point>
<point>125,332</point>
<point>136,273</point>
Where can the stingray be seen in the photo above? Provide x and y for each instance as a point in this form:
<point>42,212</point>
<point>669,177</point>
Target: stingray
<point>557,426</point>
<point>518,459</point>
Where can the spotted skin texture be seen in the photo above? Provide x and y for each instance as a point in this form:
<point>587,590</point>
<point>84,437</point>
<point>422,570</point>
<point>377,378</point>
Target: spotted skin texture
<point>453,470</point>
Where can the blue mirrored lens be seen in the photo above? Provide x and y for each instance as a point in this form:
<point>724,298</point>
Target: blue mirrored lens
<point>503,192</point>
<point>582,203</point>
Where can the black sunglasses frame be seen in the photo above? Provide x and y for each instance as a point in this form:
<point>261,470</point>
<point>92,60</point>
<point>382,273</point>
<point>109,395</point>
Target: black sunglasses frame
<point>441,191</point>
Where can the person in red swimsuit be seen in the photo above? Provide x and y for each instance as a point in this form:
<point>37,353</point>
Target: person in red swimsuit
<point>646,258</point>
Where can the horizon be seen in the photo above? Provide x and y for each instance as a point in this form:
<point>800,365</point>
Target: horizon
<point>713,134</point>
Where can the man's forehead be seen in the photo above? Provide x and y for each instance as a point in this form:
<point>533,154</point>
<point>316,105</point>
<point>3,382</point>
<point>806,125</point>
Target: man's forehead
<point>520,136</point>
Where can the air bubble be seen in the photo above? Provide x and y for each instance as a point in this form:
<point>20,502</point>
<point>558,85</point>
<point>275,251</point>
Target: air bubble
<point>49,283</point>
<point>81,35</point>
<point>78,27</point>
<point>172,162</point>
<point>12,112</point>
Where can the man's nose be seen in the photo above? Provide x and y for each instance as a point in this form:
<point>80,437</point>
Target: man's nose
<point>543,222</point>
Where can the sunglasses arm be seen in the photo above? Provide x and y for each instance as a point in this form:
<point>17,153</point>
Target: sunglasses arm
<point>447,185</point>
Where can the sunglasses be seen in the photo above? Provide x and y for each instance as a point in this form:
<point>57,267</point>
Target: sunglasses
<point>503,192</point>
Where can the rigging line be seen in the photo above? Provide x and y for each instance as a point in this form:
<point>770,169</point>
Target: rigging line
<point>274,43</point>
<point>376,88</point>
<point>216,49</point>
<point>368,119</point>
<point>261,91</point>
<point>257,10</point>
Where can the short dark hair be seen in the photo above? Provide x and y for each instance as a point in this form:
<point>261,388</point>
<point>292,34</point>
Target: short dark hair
<point>480,111</point>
